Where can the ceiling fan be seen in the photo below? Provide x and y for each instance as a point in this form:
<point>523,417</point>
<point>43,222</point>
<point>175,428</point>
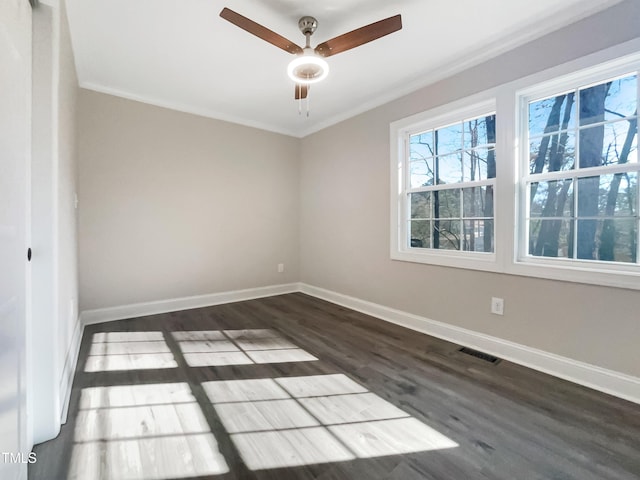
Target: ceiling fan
<point>309,65</point>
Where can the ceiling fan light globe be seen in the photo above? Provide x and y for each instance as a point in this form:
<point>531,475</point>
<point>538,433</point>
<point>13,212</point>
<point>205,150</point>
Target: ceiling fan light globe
<point>308,69</point>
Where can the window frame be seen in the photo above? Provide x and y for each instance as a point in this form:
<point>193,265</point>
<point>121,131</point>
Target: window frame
<point>508,204</point>
<point>401,131</point>
<point>573,269</point>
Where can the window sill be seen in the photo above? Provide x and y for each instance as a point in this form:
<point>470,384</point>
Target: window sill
<point>625,277</point>
<point>469,260</point>
<point>601,275</point>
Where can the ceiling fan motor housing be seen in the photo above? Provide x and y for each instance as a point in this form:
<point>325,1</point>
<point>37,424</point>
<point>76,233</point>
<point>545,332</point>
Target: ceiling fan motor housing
<point>307,25</point>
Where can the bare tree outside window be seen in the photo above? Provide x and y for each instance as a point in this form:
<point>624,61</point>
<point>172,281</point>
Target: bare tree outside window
<point>591,213</point>
<point>452,174</point>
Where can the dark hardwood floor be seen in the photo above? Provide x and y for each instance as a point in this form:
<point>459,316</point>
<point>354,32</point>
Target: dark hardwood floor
<point>292,387</point>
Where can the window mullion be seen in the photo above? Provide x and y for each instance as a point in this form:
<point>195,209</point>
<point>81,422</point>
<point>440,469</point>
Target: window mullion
<point>584,172</point>
<point>577,169</point>
<point>638,203</point>
<point>453,186</point>
<point>576,128</point>
<point>638,179</point>
<point>574,220</point>
<point>460,221</point>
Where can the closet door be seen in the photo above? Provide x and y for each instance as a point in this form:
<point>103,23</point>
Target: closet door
<point>15,139</point>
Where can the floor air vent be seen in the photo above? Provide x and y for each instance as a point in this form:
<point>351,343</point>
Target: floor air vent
<point>481,355</point>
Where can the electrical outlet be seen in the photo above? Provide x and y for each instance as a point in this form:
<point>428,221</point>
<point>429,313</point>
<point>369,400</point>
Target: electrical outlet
<point>280,267</point>
<point>497,305</point>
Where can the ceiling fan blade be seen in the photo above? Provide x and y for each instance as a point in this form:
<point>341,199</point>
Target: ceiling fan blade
<point>259,31</point>
<point>301,91</point>
<point>359,36</point>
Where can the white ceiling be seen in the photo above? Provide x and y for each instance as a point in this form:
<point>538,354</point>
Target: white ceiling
<point>180,54</point>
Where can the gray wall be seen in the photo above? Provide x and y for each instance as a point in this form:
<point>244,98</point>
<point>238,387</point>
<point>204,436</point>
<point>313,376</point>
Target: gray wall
<point>174,205</point>
<point>344,185</point>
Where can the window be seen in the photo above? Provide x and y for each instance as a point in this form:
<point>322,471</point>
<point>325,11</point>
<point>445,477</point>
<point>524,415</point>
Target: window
<point>452,173</point>
<point>579,190</point>
<point>536,177</point>
<point>446,182</point>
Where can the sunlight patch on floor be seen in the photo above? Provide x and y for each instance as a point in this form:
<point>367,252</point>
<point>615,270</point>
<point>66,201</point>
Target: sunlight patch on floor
<point>216,359</point>
<point>251,333</point>
<point>264,344</point>
<point>158,431</point>
<point>245,417</point>
<point>135,395</point>
<point>350,408</point>
<point>244,390</point>
<point>390,437</point>
<point>281,356</point>
<point>210,348</point>
<point>290,448</point>
<point>113,351</point>
<point>198,335</point>
<point>319,385</point>
<point>294,421</point>
<point>148,459</point>
<point>143,432</point>
<point>109,337</point>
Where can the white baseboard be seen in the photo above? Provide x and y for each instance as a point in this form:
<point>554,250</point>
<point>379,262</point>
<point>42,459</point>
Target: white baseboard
<point>69,370</point>
<point>135,310</point>
<point>598,378</point>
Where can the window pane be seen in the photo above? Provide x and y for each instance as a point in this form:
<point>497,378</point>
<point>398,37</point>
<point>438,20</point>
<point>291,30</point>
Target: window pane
<point>446,203</point>
<point>421,146</point>
<point>478,236</point>
<point>608,144</point>
<point>622,98</point>
<point>614,150</point>
<point>617,240</point>
<point>447,234</point>
<point>608,195</point>
<point>552,153</point>
<point>612,240</point>
<point>609,100</point>
<point>551,114</point>
<point>479,164</point>
<point>449,139</point>
<point>480,131</point>
<point>551,199</point>
<point>420,234</point>
<point>421,205</point>
<point>421,173</point>
<point>449,168</point>
<point>477,202</point>
<point>551,238</point>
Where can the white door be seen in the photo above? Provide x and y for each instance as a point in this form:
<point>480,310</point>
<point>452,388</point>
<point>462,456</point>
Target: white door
<point>15,91</point>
